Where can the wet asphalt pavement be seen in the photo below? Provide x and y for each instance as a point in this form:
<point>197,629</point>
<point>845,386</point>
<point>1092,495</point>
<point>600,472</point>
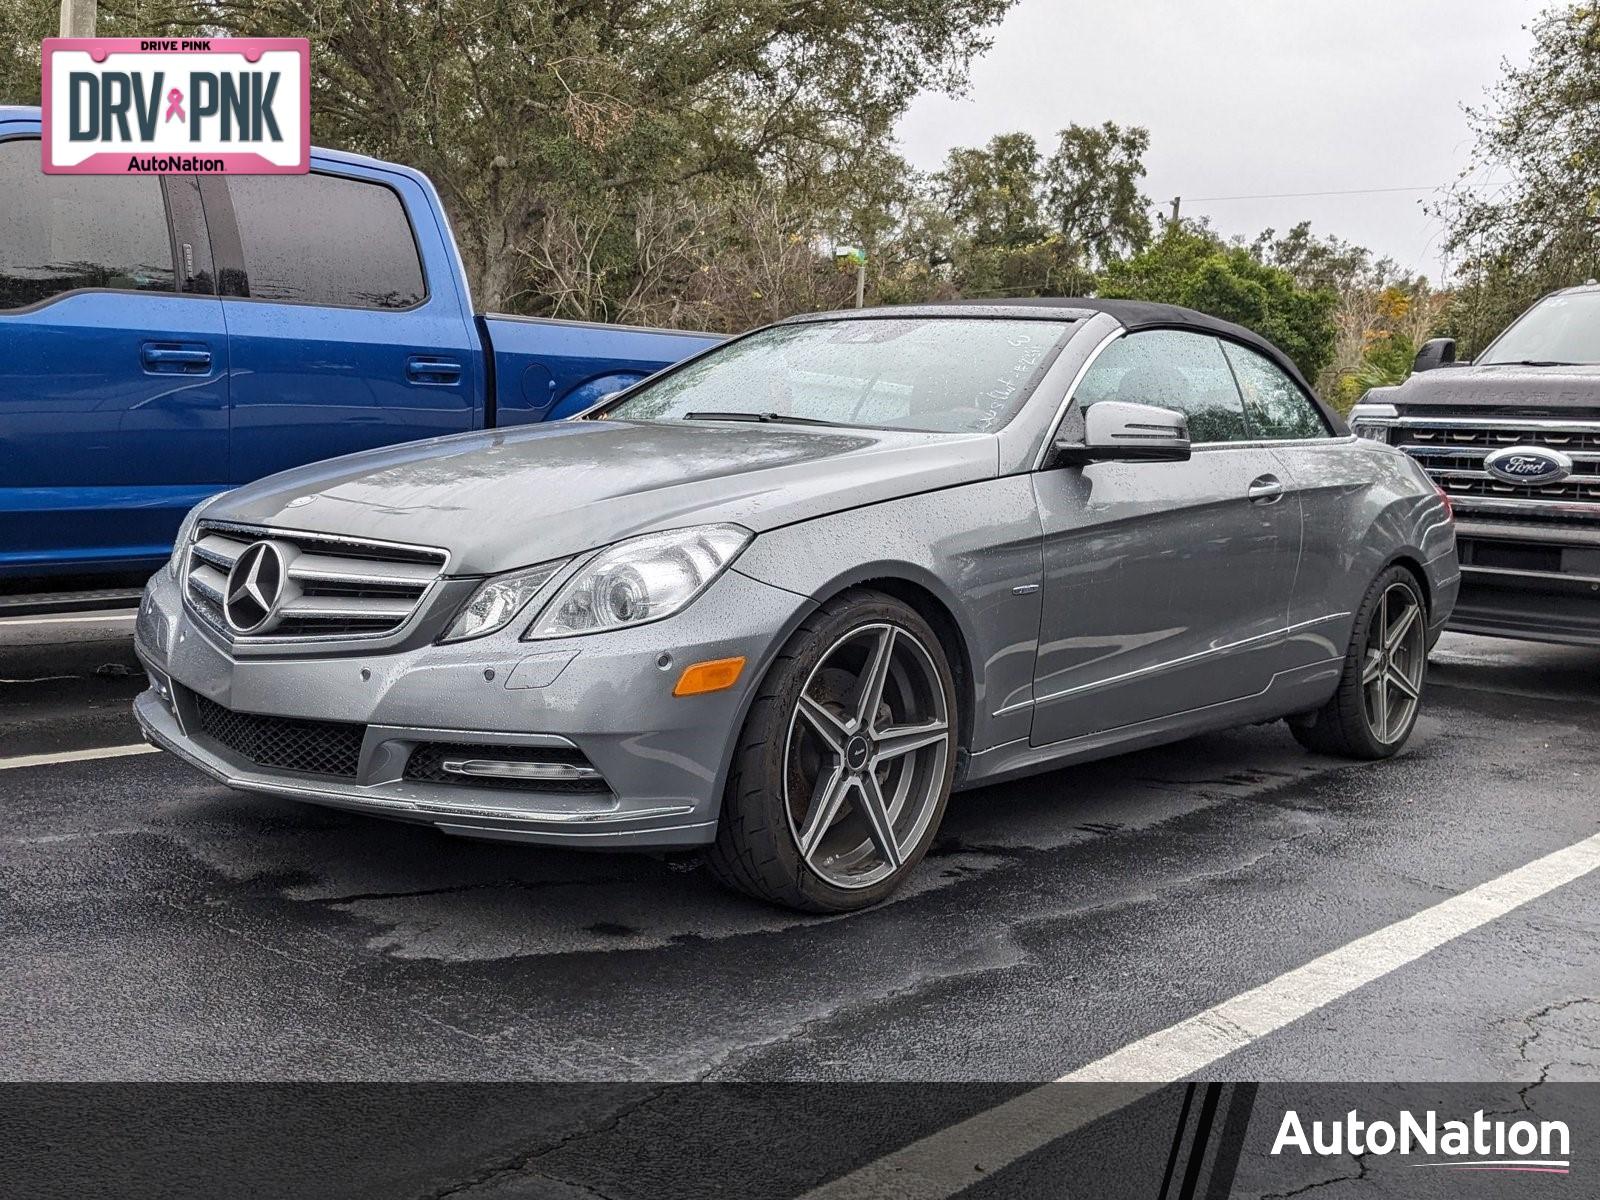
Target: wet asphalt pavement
<point>154,925</point>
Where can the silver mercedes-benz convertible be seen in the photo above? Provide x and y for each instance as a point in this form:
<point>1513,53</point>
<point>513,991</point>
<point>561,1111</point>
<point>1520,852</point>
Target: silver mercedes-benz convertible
<point>779,600</point>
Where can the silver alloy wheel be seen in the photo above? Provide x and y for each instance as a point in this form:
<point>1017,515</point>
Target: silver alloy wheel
<point>1396,655</point>
<point>864,763</point>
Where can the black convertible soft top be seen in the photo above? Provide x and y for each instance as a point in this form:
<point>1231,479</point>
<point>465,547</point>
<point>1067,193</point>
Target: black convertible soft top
<point>1133,315</point>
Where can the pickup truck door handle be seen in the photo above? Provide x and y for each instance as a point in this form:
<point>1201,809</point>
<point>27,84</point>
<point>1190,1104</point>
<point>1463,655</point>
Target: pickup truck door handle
<point>175,358</point>
<point>437,371</point>
<point>1265,489</point>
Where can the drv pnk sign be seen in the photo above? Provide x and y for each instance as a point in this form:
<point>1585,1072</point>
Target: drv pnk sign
<point>166,106</point>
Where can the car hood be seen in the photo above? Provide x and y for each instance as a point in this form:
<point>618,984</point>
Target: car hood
<point>507,498</point>
<point>1522,391</point>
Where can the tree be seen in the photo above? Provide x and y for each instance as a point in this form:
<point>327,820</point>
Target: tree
<point>552,126</point>
<point>1537,227</point>
<point>991,194</point>
<point>1092,192</point>
<point>1191,266</point>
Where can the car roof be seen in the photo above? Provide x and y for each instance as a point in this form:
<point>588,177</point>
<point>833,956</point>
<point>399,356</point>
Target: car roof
<point>1132,315</point>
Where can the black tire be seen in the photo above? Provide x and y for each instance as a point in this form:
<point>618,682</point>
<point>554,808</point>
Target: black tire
<point>1345,725</point>
<point>756,849</point>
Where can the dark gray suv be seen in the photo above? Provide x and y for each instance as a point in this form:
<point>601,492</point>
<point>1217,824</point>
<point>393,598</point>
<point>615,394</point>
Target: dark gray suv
<point>1514,440</point>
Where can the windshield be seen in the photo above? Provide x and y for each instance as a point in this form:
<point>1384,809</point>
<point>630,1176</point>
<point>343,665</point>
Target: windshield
<point>941,374</point>
<point>1557,330</point>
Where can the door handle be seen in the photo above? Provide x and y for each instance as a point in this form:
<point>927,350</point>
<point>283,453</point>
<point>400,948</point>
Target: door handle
<point>188,359</point>
<point>438,371</point>
<point>1265,489</point>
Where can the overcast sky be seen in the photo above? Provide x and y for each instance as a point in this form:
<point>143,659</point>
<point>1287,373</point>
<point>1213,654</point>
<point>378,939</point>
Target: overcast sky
<point>1251,97</point>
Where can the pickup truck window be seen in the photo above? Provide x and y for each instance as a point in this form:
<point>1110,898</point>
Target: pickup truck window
<point>59,233</point>
<point>326,240</point>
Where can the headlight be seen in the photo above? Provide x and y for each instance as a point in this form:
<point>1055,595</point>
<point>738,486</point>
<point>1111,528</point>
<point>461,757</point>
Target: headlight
<point>186,535</point>
<point>1373,421</point>
<point>642,579</point>
<point>497,601</point>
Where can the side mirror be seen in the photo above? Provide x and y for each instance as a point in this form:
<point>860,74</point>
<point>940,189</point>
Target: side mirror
<point>1114,431</point>
<point>1439,352</point>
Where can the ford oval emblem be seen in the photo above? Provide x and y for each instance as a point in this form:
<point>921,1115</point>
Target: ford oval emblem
<point>1529,466</point>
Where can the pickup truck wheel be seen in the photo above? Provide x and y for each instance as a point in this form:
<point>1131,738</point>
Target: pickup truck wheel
<point>844,765</point>
<point>1380,690</point>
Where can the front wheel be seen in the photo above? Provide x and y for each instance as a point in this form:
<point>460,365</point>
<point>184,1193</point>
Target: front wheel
<point>844,765</point>
<point>1380,690</point>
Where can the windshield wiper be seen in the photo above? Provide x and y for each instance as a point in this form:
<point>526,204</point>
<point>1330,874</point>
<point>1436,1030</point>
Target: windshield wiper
<point>768,418</point>
<point>1532,362</point>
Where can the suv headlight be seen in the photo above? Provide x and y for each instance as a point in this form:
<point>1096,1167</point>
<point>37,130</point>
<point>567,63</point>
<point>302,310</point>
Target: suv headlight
<point>1373,421</point>
<point>498,600</point>
<point>642,579</point>
<point>185,536</point>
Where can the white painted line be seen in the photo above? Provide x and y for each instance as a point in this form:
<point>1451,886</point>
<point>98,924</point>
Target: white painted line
<point>65,756</point>
<point>1196,1043</point>
<point>96,618</point>
<point>944,1163</point>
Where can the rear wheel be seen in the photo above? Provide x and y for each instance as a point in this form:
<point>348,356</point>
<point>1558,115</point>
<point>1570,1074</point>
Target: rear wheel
<point>844,765</point>
<point>1380,691</point>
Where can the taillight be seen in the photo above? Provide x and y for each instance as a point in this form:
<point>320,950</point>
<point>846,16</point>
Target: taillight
<point>1449,509</point>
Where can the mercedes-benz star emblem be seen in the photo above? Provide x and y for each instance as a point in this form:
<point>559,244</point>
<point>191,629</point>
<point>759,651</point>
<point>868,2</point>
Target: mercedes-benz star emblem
<point>255,585</point>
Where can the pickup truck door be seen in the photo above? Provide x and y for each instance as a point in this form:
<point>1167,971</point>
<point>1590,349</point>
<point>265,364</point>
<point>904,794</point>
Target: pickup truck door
<point>348,326</point>
<point>1167,585</point>
<point>113,396</point>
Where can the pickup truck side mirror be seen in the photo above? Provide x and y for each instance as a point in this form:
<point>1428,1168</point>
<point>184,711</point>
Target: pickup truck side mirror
<point>1114,431</point>
<point>1439,352</point>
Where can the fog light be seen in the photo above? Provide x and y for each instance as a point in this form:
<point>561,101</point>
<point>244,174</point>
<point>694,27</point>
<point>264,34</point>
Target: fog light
<point>714,676</point>
<point>497,768</point>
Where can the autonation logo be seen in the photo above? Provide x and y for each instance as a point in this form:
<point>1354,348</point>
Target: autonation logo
<point>1482,1144</point>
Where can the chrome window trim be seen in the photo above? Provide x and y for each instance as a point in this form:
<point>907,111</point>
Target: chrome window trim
<point>1333,439</point>
<point>1256,443</point>
<point>1066,400</point>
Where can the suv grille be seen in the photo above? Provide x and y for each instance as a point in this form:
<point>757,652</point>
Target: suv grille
<point>1452,450</point>
<point>332,587</point>
<point>314,747</point>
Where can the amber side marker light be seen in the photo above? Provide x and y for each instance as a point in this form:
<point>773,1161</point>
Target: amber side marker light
<point>712,676</point>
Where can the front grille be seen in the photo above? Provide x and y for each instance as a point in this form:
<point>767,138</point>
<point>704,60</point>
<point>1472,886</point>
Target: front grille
<point>426,765</point>
<point>332,587</point>
<point>287,743</point>
<point>1452,451</point>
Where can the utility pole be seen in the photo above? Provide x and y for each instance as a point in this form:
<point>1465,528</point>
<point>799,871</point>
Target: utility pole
<point>1177,204</point>
<point>857,257</point>
<point>78,18</point>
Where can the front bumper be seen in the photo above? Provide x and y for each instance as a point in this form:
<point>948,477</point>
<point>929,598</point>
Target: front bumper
<point>662,758</point>
<point>1529,581</point>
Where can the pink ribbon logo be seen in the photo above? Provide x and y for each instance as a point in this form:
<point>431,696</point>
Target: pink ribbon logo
<point>175,105</point>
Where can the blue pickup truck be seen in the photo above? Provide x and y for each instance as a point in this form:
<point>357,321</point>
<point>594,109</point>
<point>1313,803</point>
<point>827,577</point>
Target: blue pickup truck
<point>163,339</point>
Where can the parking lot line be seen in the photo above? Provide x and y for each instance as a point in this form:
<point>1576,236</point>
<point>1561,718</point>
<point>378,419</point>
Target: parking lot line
<point>944,1163</point>
<point>64,756</point>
